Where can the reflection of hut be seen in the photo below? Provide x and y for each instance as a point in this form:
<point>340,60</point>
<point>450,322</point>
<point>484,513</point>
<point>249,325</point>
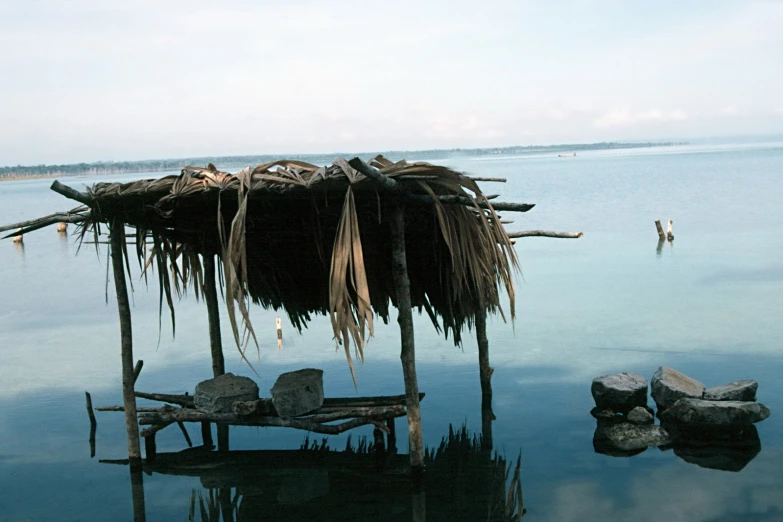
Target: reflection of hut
<point>345,241</point>
<point>464,482</point>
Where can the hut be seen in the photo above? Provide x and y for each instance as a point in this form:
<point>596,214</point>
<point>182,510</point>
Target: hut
<point>348,240</point>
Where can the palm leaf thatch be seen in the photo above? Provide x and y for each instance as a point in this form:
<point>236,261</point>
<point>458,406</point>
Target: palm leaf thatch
<point>316,240</point>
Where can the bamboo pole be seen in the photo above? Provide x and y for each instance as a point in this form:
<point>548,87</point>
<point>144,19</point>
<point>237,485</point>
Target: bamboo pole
<point>485,377</point>
<point>126,337</point>
<point>408,350</point>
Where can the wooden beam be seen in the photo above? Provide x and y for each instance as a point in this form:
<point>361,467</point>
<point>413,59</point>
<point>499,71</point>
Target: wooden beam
<point>35,224</point>
<point>181,400</point>
<point>545,233</point>
<point>126,340</point>
<point>374,174</point>
<point>68,192</point>
<point>408,349</point>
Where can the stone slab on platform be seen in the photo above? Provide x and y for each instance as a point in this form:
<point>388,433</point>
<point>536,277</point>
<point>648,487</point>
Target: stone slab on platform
<point>219,394</point>
<point>299,392</point>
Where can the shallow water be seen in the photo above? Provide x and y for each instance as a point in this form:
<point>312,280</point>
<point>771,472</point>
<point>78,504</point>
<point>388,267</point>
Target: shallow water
<point>709,304</point>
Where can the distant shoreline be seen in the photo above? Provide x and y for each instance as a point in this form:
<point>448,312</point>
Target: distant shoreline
<point>175,164</point>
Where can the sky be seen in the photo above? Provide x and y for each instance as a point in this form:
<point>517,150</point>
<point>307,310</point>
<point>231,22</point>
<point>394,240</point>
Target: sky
<point>97,80</point>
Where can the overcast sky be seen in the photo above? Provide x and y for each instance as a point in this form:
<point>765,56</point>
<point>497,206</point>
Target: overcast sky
<point>89,80</point>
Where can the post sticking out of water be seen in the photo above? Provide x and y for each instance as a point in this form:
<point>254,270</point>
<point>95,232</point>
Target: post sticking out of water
<point>116,233</point>
<point>669,234</point>
<point>62,227</point>
<point>408,350</point>
<point>215,342</point>
<point>485,376</point>
<point>279,325</point>
<point>19,238</point>
<point>661,235</point>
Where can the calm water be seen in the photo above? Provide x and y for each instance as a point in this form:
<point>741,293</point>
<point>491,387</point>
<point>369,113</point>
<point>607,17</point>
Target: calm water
<point>710,305</point>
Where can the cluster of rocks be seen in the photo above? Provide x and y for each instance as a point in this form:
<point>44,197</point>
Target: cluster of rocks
<point>709,427</point>
<point>294,393</point>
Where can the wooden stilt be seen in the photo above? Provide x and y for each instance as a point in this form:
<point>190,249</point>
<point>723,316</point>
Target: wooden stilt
<point>408,350</point>
<point>206,433</point>
<point>380,449</point>
<point>391,436</point>
<point>93,423</point>
<point>658,226</point>
<point>215,340</point>
<point>210,295</point>
<point>485,376</point>
<point>126,336</point>
<point>150,447</point>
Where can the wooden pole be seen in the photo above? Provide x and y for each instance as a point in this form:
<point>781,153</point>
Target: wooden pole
<point>408,350</point>
<point>210,295</point>
<point>661,235</point>
<point>215,341</point>
<point>485,377</point>
<point>93,423</point>
<point>669,234</point>
<point>126,337</point>
<point>137,370</point>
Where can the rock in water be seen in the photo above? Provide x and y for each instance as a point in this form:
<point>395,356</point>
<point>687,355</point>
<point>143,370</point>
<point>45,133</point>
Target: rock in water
<point>299,392</point>
<point>735,391</point>
<point>218,394</point>
<point>668,386</point>
<point>698,412</point>
<point>628,439</point>
<point>640,415</point>
<point>619,392</point>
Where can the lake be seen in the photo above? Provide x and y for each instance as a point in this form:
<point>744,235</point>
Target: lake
<point>709,304</point>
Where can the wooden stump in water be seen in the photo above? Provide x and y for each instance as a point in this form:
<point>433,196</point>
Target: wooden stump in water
<point>669,234</point>
<point>660,229</point>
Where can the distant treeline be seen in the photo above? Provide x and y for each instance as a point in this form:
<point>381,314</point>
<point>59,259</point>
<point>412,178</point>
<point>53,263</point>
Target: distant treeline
<point>124,167</point>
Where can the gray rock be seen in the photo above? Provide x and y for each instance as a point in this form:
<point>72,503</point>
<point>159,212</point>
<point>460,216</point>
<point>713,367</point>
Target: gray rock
<point>640,415</point>
<point>218,394</point>
<point>735,391</point>
<point>630,438</point>
<point>619,392</point>
<point>668,386</point>
<point>698,412</point>
<point>299,392</point>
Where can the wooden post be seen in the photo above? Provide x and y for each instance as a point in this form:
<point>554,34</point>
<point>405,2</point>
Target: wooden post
<point>93,423</point>
<point>380,449</point>
<point>126,337</point>
<point>210,295</point>
<point>485,376</point>
<point>206,433</point>
<point>408,350</point>
<point>669,234</point>
<point>391,436</point>
<point>661,235</point>
<point>215,342</point>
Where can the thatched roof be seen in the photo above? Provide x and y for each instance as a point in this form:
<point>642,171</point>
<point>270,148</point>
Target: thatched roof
<point>316,240</point>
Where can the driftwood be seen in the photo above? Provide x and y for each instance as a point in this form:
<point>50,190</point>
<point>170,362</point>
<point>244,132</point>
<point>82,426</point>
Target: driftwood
<point>188,415</point>
<point>265,407</point>
<point>545,233</point>
<point>181,400</point>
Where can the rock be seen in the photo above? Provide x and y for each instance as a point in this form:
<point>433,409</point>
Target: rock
<point>698,412</point>
<point>640,415</point>
<point>299,392</point>
<point>668,385</point>
<point>619,392</point>
<point>218,394</point>
<point>735,391</point>
<point>625,439</point>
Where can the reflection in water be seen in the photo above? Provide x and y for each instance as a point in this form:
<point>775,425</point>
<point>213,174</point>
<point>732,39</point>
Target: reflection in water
<point>659,248</point>
<point>463,482</point>
<point>729,449</point>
